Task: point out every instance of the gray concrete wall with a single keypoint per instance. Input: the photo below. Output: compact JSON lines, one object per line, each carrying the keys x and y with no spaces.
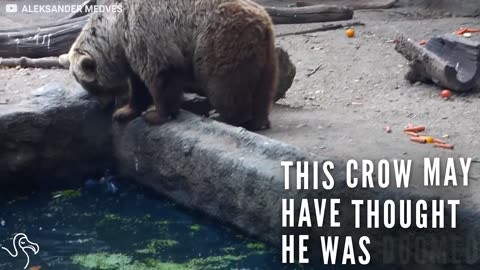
{"x":53,"y":135}
{"x":223,"y":171}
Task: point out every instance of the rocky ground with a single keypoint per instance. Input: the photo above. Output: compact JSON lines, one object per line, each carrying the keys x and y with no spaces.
{"x":341,"y":110}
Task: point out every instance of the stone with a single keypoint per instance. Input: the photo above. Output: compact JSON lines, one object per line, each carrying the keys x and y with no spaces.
{"x":54,"y":136}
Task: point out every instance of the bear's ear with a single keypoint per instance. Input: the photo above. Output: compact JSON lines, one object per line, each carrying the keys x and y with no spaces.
{"x":88,"y":68}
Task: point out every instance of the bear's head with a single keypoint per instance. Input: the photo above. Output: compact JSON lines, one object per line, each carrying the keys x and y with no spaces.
{"x":95,"y":64}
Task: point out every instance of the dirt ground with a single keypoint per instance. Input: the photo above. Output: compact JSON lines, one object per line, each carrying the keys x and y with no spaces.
{"x":341,"y":110}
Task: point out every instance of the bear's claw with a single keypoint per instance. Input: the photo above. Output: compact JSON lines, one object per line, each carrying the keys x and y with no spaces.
{"x":154,"y":118}
{"x":125,"y":113}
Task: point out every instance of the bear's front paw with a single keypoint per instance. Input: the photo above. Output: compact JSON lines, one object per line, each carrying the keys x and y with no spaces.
{"x":257,"y":125}
{"x":125,"y":113}
{"x":155,"y":118}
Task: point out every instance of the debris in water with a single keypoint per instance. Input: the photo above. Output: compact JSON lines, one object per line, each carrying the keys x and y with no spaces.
{"x":112,"y":188}
{"x":107,"y":183}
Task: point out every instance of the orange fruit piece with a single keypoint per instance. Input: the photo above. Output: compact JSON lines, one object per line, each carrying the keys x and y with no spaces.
{"x":428,"y":139}
{"x":350,"y":33}
{"x":446,"y":94}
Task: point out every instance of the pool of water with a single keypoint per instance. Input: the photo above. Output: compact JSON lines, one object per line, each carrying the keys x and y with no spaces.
{"x":89,"y":228}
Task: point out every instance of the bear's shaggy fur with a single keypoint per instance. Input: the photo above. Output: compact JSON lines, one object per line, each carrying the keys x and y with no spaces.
{"x":223,"y":47}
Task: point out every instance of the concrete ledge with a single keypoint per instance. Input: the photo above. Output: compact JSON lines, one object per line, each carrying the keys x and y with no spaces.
{"x":226,"y":172}
{"x":54,"y":133}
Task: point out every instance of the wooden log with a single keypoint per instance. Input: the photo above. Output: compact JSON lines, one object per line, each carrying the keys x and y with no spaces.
{"x":449,"y":61}
{"x":24,"y":62}
{"x":326,"y":27}
{"x":45,"y":41}
{"x":309,"y":14}
{"x":353,"y":4}
{"x":22,"y":31}
{"x":56,"y":38}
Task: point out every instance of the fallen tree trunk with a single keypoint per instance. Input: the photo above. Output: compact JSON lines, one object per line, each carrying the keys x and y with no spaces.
{"x":450,"y":62}
{"x":44,"y":41}
{"x":310,"y":14}
{"x":353,"y":4}
{"x":56,"y":38}
{"x":326,"y":27}
{"x":24,"y":62}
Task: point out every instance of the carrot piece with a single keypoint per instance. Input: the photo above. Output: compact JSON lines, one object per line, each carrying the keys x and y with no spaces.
{"x":415,"y":129}
{"x":464,"y":30}
{"x":444,"y":145}
{"x":461,"y":31}
{"x":411,"y":134}
{"x":436,"y":140}
{"x":418,"y":139}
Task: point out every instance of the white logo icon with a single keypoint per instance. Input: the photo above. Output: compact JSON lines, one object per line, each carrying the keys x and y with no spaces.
{"x":11,"y":8}
{"x":21,"y":241}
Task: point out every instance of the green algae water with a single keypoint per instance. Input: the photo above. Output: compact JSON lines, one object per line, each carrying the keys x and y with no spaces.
{"x":90,"y":229}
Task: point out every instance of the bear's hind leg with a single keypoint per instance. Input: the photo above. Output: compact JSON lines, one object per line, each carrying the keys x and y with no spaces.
{"x":261,"y":104}
{"x":139,"y":100}
{"x":264,"y":92}
{"x":176,"y":85}
{"x":228,"y":97}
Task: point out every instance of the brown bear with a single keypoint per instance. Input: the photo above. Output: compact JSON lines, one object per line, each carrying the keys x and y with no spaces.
{"x":223,"y":47}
